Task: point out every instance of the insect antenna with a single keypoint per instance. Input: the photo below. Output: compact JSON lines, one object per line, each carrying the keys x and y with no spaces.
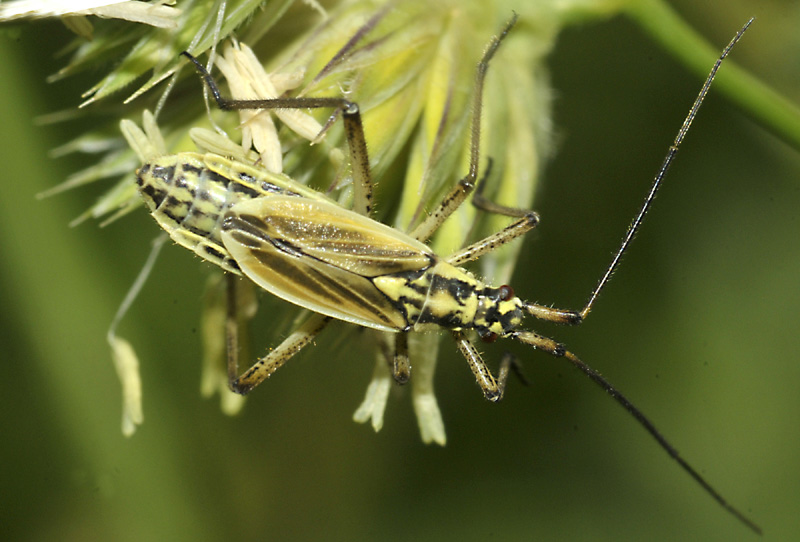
{"x":575,"y":317}
{"x":556,"y":349}
{"x":660,"y":175}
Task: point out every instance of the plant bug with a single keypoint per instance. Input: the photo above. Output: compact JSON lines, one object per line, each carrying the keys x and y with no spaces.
{"x":301,"y":246}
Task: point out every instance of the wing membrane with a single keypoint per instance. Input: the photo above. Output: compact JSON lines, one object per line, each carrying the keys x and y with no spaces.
{"x":320,"y":256}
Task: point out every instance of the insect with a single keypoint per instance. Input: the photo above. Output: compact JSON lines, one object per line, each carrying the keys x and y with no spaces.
{"x":301,"y":246}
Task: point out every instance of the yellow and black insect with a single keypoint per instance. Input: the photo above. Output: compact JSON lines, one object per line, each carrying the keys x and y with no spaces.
{"x":303,"y":247}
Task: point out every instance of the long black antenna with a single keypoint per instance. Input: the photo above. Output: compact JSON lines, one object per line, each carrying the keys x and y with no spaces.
{"x":576,"y":317}
{"x":598,"y":379}
{"x":662,"y":172}
{"x":634,"y":227}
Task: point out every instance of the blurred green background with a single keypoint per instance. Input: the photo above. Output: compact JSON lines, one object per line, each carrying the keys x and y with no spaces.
{"x":699,"y":329}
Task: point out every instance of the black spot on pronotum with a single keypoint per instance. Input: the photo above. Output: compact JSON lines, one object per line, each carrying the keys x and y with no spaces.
{"x":456,"y":289}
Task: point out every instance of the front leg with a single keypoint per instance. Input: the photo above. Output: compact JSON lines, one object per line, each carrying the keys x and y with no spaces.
{"x":492,"y":389}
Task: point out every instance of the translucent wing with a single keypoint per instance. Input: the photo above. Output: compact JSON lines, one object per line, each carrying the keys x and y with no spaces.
{"x":320,"y":256}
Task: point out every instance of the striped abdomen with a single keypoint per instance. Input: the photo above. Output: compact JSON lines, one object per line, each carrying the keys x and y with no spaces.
{"x":189,"y":193}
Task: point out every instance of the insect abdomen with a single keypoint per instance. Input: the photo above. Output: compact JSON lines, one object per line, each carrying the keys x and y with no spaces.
{"x":189,"y":193}
{"x":188,"y":201}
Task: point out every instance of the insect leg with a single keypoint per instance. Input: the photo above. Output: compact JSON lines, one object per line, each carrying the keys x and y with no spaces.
{"x":485,"y":204}
{"x":401,"y":367}
{"x":351,"y":116}
{"x":447,"y":206}
{"x":529,"y":220}
{"x":466,"y":185}
{"x":393,"y":348}
{"x":291,"y":345}
{"x":488,"y":244}
{"x":232,"y":330}
{"x":509,"y":362}
{"x":492,"y":390}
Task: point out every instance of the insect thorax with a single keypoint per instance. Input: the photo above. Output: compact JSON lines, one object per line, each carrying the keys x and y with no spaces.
{"x":445,"y":296}
{"x":189,"y":193}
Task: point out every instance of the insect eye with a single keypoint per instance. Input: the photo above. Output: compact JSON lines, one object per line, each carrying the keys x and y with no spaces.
{"x":506,"y":292}
{"x":488,"y":336}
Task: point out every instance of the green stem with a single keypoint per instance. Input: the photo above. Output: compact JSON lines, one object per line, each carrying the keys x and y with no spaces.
{"x":773,"y":111}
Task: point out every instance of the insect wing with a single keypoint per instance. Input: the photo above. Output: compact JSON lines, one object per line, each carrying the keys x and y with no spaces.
{"x":322,"y":257}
